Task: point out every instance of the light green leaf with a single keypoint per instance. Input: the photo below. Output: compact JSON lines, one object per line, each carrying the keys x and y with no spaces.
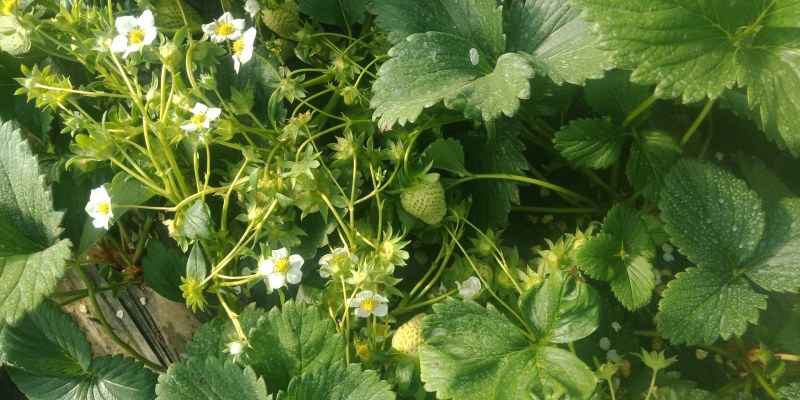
{"x":431,"y":67}
{"x":334,"y":12}
{"x":290,"y":341}
{"x":31,"y":257}
{"x":162,"y":269}
{"x":616,"y":96}
{"x":762,"y":179}
{"x":338,"y":382}
{"x":13,"y":36}
{"x":197,"y":222}
{"x":479,"y":22}
{"x":561,"y":309}
{"x":197,"y":265}
{"x":713,"y":217}
{"x":50,"y":359}
{"x":634,"y":288}
{"x":652,"y":154}
{"x":775,"y":263}
{"x":446,"y":154}
{"x":790,"y":391}
{"x":602,"y":257}
{"x":593,"y":143}
{"x":473,"y":352}
{"x":210,"y":378}
{"x":686,"y":48}
{"x":703,"y":305}
{"x":626,"y":224}
{"x":557,"y":38}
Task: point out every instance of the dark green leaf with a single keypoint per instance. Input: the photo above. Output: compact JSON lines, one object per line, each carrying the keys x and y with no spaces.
{"x":557,"y":38}
{"x":634,"y":288}
{"x":775,"y":262}
{"x":335,"y":12}
{"x":473,"y":352}
{"x":291,"y":341}
{"x":703,"y":305}
{"x":197,"y":222}
{"x":652,"y":154}
{"x":479,"y":22}
{"x":602,"y":257}
{"x":31,"y":257}
{"x":561,"y":309}
{"x":446,"y":154}
{"x":593,"y":143}
{"x":213,"y":338}
{"x":338,"y":382}
{"x":763,"y":180}
{"x":712,"y":216}
{"x":51,"y":359}
{"x":210,"y":378}
{"x":626,"y":224}
{"x":616,"y":96}
{"x":162,"y":269}
{"x":790,"y":391}
{"x":431,"y":67}
{"x":197,"y":265}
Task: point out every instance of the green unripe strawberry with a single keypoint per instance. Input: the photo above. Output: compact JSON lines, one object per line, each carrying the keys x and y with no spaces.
{"x":168,"y":15}
{"x":425,"y":200}
{"x":408,"y":336}
{"x":283,"y":19}
{"x":485,"y":271}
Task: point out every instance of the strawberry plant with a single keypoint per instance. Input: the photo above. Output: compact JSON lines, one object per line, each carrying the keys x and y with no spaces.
{"x":585,"y":199}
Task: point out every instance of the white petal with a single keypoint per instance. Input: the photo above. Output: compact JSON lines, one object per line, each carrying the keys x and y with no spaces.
{"x":276,"y":281}
{"x":146,"y":20}
{"x":227,"y":17}
{"x":381,"y":299}
{"x":236,"y":64}
{"x":280,"y":253}
{"x":238,"y":24}
{"x":380,"y":310}
{"x":326,"y":259}
{"x":266,"y":267}
{"x":365,"y":294}
{"x":294,"y":276}
{"x":296,"y":261}
{"x":199,"y":108}
{"x":212,"y":113}
{"x":189,"y":127}
{"x":210,"y":28}
{"x":361,"y":313}
{"x":246,"y":55}
{"x":249,"y":36}
{"x":149,"y":36}
{"x":119,"y":44}
{"x":125,"y":24}
{"x":355,"y":302}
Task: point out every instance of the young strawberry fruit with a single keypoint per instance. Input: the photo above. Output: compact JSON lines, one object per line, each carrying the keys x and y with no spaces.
{"x":408,"y":336}
{"x":425,"y":200}
{"x":283,"y":19}
{"x":485,"y":271}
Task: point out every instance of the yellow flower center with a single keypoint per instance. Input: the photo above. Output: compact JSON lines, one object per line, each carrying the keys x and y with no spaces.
{"x":368,"y":305}
{"x":104,"y":208}
{"x":225,"y":29}
{"x":136,"y":36}
{"x":198,"y":119}
{"x":282,"y":266}
{"x":238,"y":46}
{"x":386,"y":251}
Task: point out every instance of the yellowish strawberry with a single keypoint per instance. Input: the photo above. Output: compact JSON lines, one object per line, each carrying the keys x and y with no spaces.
{"x":408,"y":336}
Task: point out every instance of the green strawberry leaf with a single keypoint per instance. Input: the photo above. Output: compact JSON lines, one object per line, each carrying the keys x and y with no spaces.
{"x":492,"y":198}
{"x":626,"y":223}
{"x":49,"y":358}
{"x":712,"y":216}
{"x":616,"y":96}
{"x":770,"y":187}
{"x":775,"y":262}
{"x":197,"y":222}
{"x":561,"y":309}
{"x":652,"y":154}
{"x":592,"y":143}
{"x":31,"y":256}
{"x":557,"y":38}
{"x":702,"y":305}
{"x":334,"y":12}
{"x":290,"y":341}
{"x":338,"y":382}
{"x":634,"y":288}
{"x":210,"y":378}
{"x":162,"y":269}
{"x":479,"y":22}
{"x":432,"y":67}
{"x":473,"y":352}
{"x":446,"y":154}
{"x":790,"y":391}
{"x":602,"y":257}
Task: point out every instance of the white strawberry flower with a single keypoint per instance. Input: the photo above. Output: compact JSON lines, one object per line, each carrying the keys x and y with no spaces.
{"x":133,"y":33}
{"x":243,"y":48}
{"x":469,"y":288}
{"x":281,"y":267}
{"x":99,"y":208}
{"x":367,"y":303}
{"x":202,"y":116}
{"x":252,"y":7}
{"x":225,"y":28}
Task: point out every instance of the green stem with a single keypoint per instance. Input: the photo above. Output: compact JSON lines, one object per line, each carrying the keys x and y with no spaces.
{"x":696,"y":124}
{"x":556,"y":210}
{"x":532,"y":181}
{"x":652,"y":385}
{"x":402,"y":310}
{"x":764,"y":384}
{"x":109,"y":330}
{"x":638,"y":110}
